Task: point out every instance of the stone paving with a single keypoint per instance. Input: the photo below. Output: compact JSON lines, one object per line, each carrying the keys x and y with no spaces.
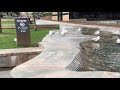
{"x":59,"y":51}
{"x":5,"y":72}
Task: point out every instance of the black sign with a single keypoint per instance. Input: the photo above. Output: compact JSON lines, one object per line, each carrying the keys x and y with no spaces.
{"x":22,"y":25}
{"x":23,"y":31}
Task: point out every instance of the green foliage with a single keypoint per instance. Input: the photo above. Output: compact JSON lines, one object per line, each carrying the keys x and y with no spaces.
{"x":42,"y":14}
{"x":38,"y":13}
{"x":47,"y":14}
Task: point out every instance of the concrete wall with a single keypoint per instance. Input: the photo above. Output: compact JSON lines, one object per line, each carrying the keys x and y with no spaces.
{"x":54,"y":18}
{"x":14,"y":60}
{"x":47,"y":18}
{"x":14,"y":57}
{"x":102,"y":22}
{"x":65,"y":17}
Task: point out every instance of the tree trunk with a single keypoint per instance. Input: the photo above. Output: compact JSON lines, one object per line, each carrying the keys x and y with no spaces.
{"x":7,"y":13}
{"x":17,"y":15}
{"x":35,"y":27}
{"x":27,"y":14}
{"x":0,"y":24}
{"x":11,"y":14}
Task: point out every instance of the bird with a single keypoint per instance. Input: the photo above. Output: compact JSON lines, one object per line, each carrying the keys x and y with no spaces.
{"x":63,"y":31}
{"x":51,"y":33}
{"x":97,"y":32}
{"x":96,"y":38}
{"x":118,"y":40}
{"x":15,"y":39}
{"x":79,"y":29}
{"x":117,"y":32}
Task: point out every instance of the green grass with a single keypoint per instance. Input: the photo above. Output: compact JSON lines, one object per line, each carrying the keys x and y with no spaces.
{"x":37,"y":36}
{"x":8,"y":22}
{"x":8,"y":35}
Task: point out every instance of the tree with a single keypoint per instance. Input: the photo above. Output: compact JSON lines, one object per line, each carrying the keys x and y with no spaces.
{"x":34,"y":17}
{"x":17,"y":13}
{"x":0,"y":23}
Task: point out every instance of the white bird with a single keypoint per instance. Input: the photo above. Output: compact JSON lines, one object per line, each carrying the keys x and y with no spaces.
{"x":118,"y":40}
{"x":97,"y":32}
{"x":63,"y":31}
{"x":79,"y":29}
{"x":117,"y":32}
{"x":51,"y":33}
{"x":15,"y":39}
{"x":96,"y":38}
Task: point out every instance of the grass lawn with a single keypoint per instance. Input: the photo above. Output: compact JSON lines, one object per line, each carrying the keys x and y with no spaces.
{"x":8,"y":35}
{"x":7,"y":22}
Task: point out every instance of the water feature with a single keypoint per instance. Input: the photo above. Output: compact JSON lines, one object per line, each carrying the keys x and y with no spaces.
{"x":102,"y":54}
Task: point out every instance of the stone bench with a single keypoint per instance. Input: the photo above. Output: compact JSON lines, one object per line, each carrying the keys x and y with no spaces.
{"x":14,"y":57}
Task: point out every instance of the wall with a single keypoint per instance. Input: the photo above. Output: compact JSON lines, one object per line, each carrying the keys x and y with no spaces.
{"x":14,"y":57}
{"x":55,"y":17}
{"x":65,"y":17}
{"x":47,"y":18}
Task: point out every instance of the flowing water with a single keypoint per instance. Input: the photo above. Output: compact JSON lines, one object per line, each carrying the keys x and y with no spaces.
{"x":101,"y":55}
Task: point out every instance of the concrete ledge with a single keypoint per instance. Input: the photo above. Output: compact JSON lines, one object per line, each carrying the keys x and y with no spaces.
{"x":14,"y":57}
{"x":47,"y":26}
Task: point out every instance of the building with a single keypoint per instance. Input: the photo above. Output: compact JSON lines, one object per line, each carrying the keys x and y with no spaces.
{"x":60,"y":16}
{"x":89,"y":16}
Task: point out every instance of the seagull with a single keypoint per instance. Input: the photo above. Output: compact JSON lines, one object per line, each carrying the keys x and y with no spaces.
{"x":51,"y":33}
{"x":15,"y":39}
{"x":117,"y":31}
{"x":63,"y":31}
{"x":97,"y":32}
{"x":96,"y":38}
{"x":118,"y":40}
{"x":79,"y":29}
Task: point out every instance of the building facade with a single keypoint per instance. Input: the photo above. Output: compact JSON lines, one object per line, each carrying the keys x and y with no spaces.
{"x":89,"y":16}
{"x":60,"y":16}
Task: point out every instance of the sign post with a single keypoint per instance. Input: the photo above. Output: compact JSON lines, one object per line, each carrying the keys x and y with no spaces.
{"x":23,"y":32}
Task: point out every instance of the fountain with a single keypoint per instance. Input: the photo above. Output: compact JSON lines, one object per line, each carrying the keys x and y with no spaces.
{"x":101,"y":53}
